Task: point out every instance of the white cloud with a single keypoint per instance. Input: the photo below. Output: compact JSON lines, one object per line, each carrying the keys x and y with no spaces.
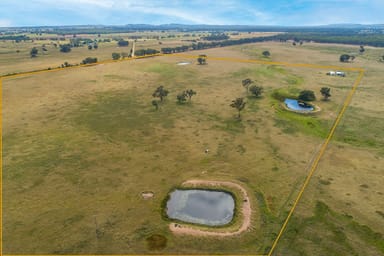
{"x":5,"y":23}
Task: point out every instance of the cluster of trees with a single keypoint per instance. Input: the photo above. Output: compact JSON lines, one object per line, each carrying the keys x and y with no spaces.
{"x":160,"y":93}
{"x":143,"y":52}
{"x":216,"y":37}
{"x":308,"y":95}
{"x":167,"y":50}
{"x":122,"y":43}
{"x":117,"y":56}
{"x":183,"y":96}
{"x":340,"y":37}
{"x":346,"y":58}
{"x":89,"y":60}
{"x":256,"y":90}
{"x":65,"y":48}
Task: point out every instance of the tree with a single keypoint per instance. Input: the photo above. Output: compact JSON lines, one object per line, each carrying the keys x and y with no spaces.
{"x":65,"y":48}
{"x":182,"y":97}
{"x":95,"y":46}
{"x":344,"y":58}
{"x":239,"y":104}
{"x":34,"y":52}
{"x":160,"y":92}
{"x":307,"y":95}
{"x":361,"y":50}
{"x":246,"y":83}
{"x":122,"y":43}
{"x":256,"y":90}
{"x":352,"y":58}
{"x":156,"y":104}
{"x":266,"y":53}
{"x":115,"y":55}
{"x":89,"y":60}
{"x":89,"y":47}
{"x":326,"y":92}
{"x":190,"y":93}
{"x":201,"y":61}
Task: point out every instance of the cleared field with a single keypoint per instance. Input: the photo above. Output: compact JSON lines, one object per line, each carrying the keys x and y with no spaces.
{"x":79,"y":147}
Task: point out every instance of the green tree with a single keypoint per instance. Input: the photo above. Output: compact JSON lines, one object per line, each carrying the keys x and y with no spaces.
{"x":326,"y":92}
{"x":34,"y":52}
{"x":182,"y":97}
{"x":256,"y":90}
{"x":65,"y":47}
{"x":89,"y":47}
{"x":156,"y":104}
{"x":122,"y":43}
{"x":89,"y":60}
{"x":344,"y":57}
{"x":239,"y":104}
{"x":246,"y":83}
{"x":362,"y":49}
{"x":201,"y":61}
{"x":115,"y":55}
{"x":307,"y":95}
{"x":266,"y":53}
{"x":190,"y":93}
{"x":160,"y":92}
{"x":95,"y":46}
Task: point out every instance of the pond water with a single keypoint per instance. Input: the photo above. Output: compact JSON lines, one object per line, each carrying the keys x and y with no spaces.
{"x":212,"y":208}
{"x":297,"y":106}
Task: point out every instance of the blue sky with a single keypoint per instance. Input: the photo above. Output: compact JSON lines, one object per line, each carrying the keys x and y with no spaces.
{"x":218,"y":12}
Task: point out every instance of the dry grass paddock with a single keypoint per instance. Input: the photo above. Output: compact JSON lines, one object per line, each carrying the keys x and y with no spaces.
{"x":81,"y":145}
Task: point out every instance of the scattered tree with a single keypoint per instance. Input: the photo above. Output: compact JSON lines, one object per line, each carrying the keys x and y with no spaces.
{"x":115,"y":55}
{"x":89,"y":60}
{"x":344,"y":57}
{"x":65,"y":48}
{"x":256,"y":90}
{"x":95,"y":46}
{"x":34,"y":52}
{"x":89,"y":47}
{"x":352,"y":58}
{"x":246,"y":83}
{"x":326,"y":92}
{"x":122,"y":43}
{"x":202,"y":59}
{"x":160,"y":92}
{"x":190,"y":93}
{"x":266,"y":53}
{"x":307,"y":95}
{"x":239,"y":104}
{"x":294,"y":43}
{"x":156,"y":104}
{"x":361,"y":50}
{"x":182,"y":97}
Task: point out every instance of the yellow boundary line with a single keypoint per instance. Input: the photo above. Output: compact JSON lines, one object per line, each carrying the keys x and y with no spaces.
{"x":317,"y":160}
{"x":300,"y":65}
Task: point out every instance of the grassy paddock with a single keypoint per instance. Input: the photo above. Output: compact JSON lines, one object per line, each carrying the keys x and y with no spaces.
{"x":80,"y":145}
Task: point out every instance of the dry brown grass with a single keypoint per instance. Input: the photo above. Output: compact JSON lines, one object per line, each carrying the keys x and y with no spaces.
{"x":81,"y":145}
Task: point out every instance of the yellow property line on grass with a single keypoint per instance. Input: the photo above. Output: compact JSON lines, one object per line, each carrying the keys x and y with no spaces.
{"x":301,"y":65}
{"x":316,"y":162}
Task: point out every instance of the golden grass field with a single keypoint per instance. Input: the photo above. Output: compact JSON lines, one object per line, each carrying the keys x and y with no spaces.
{"x":80,"y":145}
